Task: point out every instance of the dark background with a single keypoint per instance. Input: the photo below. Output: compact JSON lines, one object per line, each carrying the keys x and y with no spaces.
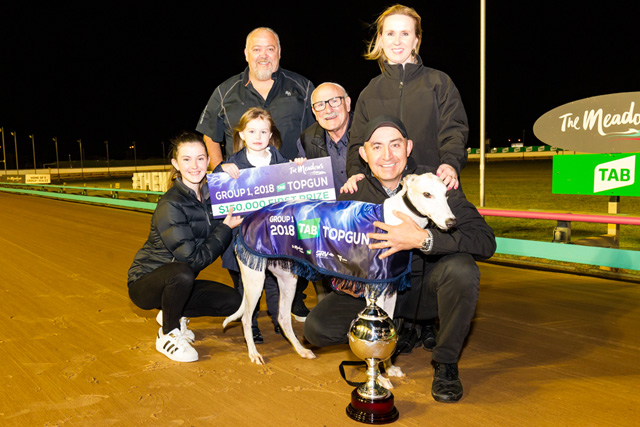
{"x":144,"y":72}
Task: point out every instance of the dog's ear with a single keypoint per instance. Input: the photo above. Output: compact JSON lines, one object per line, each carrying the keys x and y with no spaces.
{"x":408,"y":179}
{"x":433,"y":176}
{"x":436,"y":177}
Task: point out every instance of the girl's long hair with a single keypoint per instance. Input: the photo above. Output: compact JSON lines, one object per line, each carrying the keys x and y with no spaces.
{"x":252,"y":114}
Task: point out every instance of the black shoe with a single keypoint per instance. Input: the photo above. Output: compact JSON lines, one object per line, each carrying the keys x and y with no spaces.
{"x":407,"y":341}
{"x":257,"y":336}
{"x":277,"y":330}
{"x":299,"y":311}
{"x":446,"y":386}
{"x":428,"y":337}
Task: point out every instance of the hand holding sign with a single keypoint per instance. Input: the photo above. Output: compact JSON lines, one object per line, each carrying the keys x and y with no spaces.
{"x":231,"y":220}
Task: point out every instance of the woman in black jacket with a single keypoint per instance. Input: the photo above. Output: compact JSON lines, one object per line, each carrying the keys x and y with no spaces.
{"x":183,"y":240}
{"x":425,"y":99}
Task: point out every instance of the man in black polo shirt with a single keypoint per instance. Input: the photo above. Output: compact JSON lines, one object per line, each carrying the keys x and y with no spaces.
{"x":285,"y":94}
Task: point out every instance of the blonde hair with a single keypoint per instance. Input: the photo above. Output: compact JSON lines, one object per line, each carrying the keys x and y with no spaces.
{"x":374,"y":47}
{"x":252,"y":114}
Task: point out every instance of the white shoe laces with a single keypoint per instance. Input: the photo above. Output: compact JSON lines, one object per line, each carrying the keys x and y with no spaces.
{"x":187,"y":334}
{"x":182,"y":341}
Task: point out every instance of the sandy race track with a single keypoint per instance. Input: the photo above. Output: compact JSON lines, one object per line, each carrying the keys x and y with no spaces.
{"x":545,"y":348}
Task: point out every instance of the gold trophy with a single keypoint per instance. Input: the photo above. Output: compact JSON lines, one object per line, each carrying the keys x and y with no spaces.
{"x":372,"y":337}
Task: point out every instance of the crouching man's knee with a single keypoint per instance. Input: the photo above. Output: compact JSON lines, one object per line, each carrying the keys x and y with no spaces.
{"x":320,"y":334}
{"x":459,"y":272}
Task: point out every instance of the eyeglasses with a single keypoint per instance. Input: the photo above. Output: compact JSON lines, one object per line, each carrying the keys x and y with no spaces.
{"x":334,"y":102}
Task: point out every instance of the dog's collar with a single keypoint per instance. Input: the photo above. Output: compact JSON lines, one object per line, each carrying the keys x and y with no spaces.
{"x":411,"y":206}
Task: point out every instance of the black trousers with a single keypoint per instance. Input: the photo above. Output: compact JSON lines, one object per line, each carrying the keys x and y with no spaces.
{"x":451,"y":285}
{"x":174,"y":289}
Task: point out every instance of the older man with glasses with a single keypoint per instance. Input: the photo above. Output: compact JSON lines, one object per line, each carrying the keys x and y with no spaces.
{"x":330,"y":135}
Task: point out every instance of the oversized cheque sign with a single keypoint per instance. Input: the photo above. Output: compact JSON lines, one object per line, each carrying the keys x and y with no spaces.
{"x":256,"y":188}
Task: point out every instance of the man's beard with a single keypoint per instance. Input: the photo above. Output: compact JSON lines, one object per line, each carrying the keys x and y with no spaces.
{"x":263,"y":75}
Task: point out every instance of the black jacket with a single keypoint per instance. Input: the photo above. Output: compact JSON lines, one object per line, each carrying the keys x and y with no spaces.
{"x":313,"y":140}
{"x":312,"y":144}
{"x":471,"y":235}
{"x":429,"y":105}
{"x":182,"y":229}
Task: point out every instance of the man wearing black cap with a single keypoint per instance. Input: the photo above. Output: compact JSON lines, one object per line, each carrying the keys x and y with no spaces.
{"x":444,"y":275}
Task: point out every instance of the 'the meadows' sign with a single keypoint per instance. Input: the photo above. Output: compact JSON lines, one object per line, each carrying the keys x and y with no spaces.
{"x":601,"y":124}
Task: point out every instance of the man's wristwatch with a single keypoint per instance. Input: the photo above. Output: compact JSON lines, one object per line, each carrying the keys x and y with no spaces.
{"x":427,"y":244}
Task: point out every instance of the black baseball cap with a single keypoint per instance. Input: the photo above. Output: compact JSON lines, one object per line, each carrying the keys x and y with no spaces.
{"x":382,"y":121}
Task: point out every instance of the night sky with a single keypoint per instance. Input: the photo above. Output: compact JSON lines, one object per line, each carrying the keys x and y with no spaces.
{"x":145,"y":72}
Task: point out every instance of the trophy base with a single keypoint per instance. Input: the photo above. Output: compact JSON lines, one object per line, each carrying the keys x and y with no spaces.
{"x":372,"y":411}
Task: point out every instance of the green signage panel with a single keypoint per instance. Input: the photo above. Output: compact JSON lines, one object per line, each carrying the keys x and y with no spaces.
{"x":598,"y":174}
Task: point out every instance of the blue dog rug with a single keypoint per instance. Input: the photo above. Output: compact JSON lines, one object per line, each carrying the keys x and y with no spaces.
{"x":316,"y":239}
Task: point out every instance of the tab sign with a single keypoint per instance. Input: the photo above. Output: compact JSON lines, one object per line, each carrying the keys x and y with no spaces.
{"x":614,"y":174}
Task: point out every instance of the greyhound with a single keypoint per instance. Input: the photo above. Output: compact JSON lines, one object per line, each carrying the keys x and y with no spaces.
{"x":428,"y":196}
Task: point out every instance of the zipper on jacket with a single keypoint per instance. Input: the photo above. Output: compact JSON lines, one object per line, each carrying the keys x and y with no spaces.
{"x":207,"y":209}
{"x":401,"y":75}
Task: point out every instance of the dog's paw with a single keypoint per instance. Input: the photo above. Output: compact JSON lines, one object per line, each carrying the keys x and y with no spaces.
{"x":394,"y":371}
{"x":384,"y":382}
{"x":307,"y":354}
{"x":257,"y":359}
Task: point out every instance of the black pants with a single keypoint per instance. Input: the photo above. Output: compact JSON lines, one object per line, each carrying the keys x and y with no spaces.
{"x":451,"y":293}
{"x":174,"y":289}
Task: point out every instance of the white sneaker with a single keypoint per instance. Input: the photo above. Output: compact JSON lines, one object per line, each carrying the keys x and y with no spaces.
{"x":188,"y":334}
{"x":175,"y":346}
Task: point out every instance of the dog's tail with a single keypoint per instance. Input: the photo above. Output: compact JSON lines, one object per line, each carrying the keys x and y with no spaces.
{"x":237,"y":314}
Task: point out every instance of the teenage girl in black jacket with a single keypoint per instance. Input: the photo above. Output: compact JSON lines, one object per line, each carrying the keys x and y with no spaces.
{"x":183,"y":240}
